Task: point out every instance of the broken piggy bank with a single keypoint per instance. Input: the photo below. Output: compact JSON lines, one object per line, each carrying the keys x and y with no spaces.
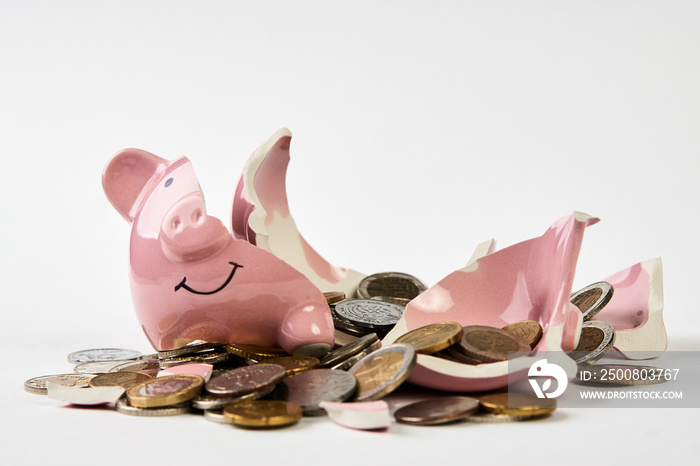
{"x":191,"y":280}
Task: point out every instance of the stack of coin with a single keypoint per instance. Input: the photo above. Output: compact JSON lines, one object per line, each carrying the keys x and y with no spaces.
{"x":363,"y":316}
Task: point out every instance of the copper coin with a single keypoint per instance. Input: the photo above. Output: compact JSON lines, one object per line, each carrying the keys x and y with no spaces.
{"x":437,"y":411}
{"x":432,"y":338}
{"x":454,"y":354}
{"x":528,"y":330}
{"x":490,"y":344}
{"x":246,"y":379}
{"x":592,"y":299}
{"x":262,"y":413}
{"x":517,"y":404}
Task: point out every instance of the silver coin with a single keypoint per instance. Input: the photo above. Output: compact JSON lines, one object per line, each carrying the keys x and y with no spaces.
{"x":102,"y":354}
{"x":437,"y":411}
{"x":344,"y":352}
{"x":369,"y":313}
{"x":354,"y":330}
{"x":354,"y":359}
{"x":37,"y":385}
{"x":391,"y":284}
{"x":189,"y":349}
{"x":381,"y":372}
{"x":616,"y":375}
{"x":246,"y":379}
{"x":209,"y":401}
{"x":96,"y":367}
{"x":123,"y":407}
{"x":597,"y":338}
{"x":215,"y":415}
{"x":592,"y":299}
{"x":308,"y":389}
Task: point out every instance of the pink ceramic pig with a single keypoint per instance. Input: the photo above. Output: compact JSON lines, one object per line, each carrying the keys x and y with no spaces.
{"x":191,"y":280}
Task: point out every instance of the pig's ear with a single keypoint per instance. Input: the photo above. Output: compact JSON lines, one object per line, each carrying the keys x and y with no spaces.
{"x":126,"y":175}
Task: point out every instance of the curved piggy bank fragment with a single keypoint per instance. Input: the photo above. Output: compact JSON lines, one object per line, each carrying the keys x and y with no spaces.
{"x":261,"y":216}
{"x":636,"y":310}
{"x":530,"y":280}
{"x":191,"y":280}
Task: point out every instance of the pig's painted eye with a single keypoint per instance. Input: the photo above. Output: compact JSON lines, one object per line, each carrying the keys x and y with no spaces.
{"x":168,"y":182}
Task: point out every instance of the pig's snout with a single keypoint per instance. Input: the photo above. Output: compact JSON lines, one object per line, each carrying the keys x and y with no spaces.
{"x":189,"y":234}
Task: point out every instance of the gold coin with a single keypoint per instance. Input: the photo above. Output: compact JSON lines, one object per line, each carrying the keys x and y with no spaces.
{"x":433,"y":338}
{"x":262,"y":413}
{"x":528,"y":330}
{"x":255,"y":352}
{"x":490,"y":344}
{"x":517,"y":404}
{"x":295,"y":364}
{"x":165,"y":391}
{"x":333,"y":297}
{"x":123,"y":379}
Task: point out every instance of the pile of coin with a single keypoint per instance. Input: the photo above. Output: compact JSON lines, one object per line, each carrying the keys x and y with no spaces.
{"x":255,"y":387}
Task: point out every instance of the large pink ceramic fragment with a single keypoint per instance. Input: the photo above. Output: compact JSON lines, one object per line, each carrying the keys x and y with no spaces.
{"x":191,"y":280}
{"x":529,"y":280}
{"x":636,"y":310}
{"x":261,"y":216}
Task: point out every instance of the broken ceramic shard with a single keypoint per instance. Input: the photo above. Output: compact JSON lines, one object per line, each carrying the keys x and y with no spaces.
{"x":191,"y":280}
{"x":261,"y":216}
{"x":636,"y":310}
{"x":530,"y":280}
{"x":362,"y":415}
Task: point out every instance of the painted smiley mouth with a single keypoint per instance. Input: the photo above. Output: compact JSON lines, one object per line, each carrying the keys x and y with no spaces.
{"x":228,"y":280}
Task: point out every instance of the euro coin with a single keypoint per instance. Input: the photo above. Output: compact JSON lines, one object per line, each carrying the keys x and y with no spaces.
{"x":254,"y":352}
{"x":37,"y":385}
{"x":165,"y":391}
{"x":597,"y":338}
{"x":346,"y":351}
{"x":123,"y":407}
{"x":592,"y":299}
{"x":188,"y":349}
{"x":381,"y":372}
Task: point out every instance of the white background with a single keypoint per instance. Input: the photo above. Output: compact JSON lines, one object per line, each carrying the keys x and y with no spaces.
{"x":420,"y":129}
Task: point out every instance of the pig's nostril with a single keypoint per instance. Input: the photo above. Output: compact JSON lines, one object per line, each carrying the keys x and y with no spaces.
{"x":176,"y":224}
{"x":197,"y":216}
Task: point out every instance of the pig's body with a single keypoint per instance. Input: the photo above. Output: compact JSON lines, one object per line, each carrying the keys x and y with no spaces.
{"x":191,"y":280}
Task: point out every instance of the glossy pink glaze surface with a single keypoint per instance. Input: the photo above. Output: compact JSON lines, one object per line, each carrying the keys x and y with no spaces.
{"x":531,"y":280}
{"x":191,"y":280}
{"x":629,"y":307}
